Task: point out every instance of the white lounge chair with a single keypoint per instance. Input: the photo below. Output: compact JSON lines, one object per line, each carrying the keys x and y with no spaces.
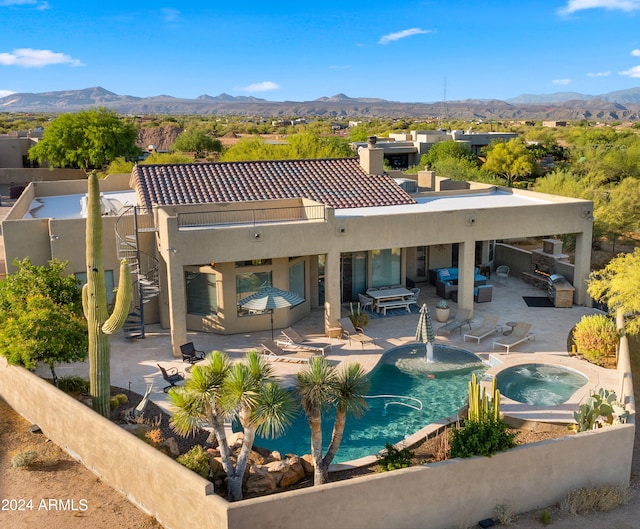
{"x":274,"y":352}
{"x":290,"y":339}
{"x":487,"y":327}
{"x":353,"y":333}
{"x":519,"y":334}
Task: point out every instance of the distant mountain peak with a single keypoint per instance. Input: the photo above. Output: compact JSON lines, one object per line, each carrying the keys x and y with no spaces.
{"x":620,"y":105}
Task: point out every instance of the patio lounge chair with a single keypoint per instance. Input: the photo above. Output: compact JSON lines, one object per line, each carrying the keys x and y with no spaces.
{"x":487,"y":327}
{"x":519,"y":334}
{"x":190,"y":353}
{"x":355,"y":334}
{"x":172,"y":376}
{"x":460,"y":320}
{"x":290,"y":339}
{"x":274,"y":352}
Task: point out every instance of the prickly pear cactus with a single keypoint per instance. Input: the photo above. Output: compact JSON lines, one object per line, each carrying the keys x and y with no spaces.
{"x":94,"y":302}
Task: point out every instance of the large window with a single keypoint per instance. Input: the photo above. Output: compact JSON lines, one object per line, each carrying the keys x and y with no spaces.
{"x":250,"y":283}
{"x":296,"y":279}
{"x":108,"y":283}
{"x":202,"y":297}
{"x":386,"y":267}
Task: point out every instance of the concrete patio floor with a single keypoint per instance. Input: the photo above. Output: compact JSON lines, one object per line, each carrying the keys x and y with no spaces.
{"x":134,"y":363}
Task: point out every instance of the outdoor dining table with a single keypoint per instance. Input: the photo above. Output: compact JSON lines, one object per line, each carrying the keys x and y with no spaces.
{"x":387,"y":295}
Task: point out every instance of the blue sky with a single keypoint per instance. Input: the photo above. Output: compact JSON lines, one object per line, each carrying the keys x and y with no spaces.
{"x":422,"y":51}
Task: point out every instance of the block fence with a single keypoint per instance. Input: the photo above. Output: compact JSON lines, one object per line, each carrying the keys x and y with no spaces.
{"x":450,"y":494}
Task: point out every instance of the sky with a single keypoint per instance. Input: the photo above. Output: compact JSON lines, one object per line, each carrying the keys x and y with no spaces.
{"x":409,"y":51}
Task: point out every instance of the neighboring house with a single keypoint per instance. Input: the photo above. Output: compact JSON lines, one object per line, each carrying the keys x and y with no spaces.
{"x":14,"y":149}
{"x":207,"y":235}
{"x":404,"y":150}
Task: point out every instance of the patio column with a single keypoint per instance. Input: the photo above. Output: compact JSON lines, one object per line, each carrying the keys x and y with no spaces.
{"x":582,"y":267}
{"x":332,"y":291}
{"x":466,"y":265}
{"x":175,"y":287}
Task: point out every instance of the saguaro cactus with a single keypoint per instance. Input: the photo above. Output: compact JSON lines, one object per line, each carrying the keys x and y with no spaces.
{"x":94,"y":302}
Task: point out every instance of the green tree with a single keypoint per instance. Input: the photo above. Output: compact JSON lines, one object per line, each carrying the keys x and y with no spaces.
{"x":510,"y":160}
{"x":218,"y":390}
{"x":166,"y":158}
{"x":617,"y":210}
{"x":321,"y":386}
{"x":618,"y":286}
{"x":301,"y":146}
{"x":87,"y":139}
{"x":449,"y":150}
{"x":41,"y":317}
{"x":197,"y":138}
{"x":119,"y":165}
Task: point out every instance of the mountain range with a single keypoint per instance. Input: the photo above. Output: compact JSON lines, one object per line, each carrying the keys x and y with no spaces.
{"x":613,"y":106}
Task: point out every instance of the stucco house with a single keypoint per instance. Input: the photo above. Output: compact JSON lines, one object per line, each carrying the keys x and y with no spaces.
{"x":203,"y":236}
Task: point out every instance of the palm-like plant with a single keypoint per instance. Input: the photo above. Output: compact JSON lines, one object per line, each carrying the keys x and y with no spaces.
{"x":219,"y":390}
{"x":321,"y":386}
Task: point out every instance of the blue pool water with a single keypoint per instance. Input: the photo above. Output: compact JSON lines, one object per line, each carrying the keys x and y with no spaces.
{"x":401,"y":384}
{"x":539,"y":384}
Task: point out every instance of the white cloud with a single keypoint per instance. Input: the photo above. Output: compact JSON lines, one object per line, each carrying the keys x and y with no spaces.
{"x":169,"y":14}
{"x":636,"y":52}
{"x":632,"y":72}
{"x":622,"y":5}
{"x":17,"y":3}
{"x":30,"y":58}
{"x":5,"y":93}
{"x":561,"y":82}
{"x":264,"y":86}
{"x":598,"y":74}
{"x":402,"y":35}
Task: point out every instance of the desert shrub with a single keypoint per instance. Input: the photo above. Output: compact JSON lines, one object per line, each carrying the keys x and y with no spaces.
{"x":358,"y":318}
{"x":545,"y":517}
{"x":589,"y":499}
{"x":154,"y":436}
{"x":394,"y":458}
{"x":73,"y":384}
{"x":481,"y":438}
{"x":504,"y":514}
{"x":197,"y":460}
{"x":24,"y":459}
{"x":596,"y":338}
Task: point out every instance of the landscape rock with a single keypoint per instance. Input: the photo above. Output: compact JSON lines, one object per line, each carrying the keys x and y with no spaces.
{"x":307,"y":463}
{"x":293,"y":475}
{"x":259,"y":481}
{"x":172,"y":446}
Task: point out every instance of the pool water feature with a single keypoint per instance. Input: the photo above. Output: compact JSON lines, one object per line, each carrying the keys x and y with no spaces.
{"x":407,"y":393}
{"x":539,"y":384}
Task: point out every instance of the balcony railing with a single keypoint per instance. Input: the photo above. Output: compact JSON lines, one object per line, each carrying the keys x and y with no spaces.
{"x":251,"y":217}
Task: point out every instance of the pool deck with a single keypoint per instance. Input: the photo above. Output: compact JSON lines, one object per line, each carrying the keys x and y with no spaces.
{"x":133,"y":363}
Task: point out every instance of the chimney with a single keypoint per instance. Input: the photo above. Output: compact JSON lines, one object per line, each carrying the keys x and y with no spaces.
{"x":372,"y":157}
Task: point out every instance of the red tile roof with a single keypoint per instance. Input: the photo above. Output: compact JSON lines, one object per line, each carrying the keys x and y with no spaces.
{"x":338,"y":183}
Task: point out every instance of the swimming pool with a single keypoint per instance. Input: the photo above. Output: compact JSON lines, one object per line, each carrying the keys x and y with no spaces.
{"x":406,"y":394}
{"x":539,"y":384}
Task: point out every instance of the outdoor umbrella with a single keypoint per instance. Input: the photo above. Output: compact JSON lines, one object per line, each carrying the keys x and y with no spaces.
{"x":424,"y":332}
{"x":269,"y":298}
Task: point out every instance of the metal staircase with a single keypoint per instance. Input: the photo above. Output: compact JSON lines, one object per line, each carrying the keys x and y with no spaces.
{"x":144,"y":267}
